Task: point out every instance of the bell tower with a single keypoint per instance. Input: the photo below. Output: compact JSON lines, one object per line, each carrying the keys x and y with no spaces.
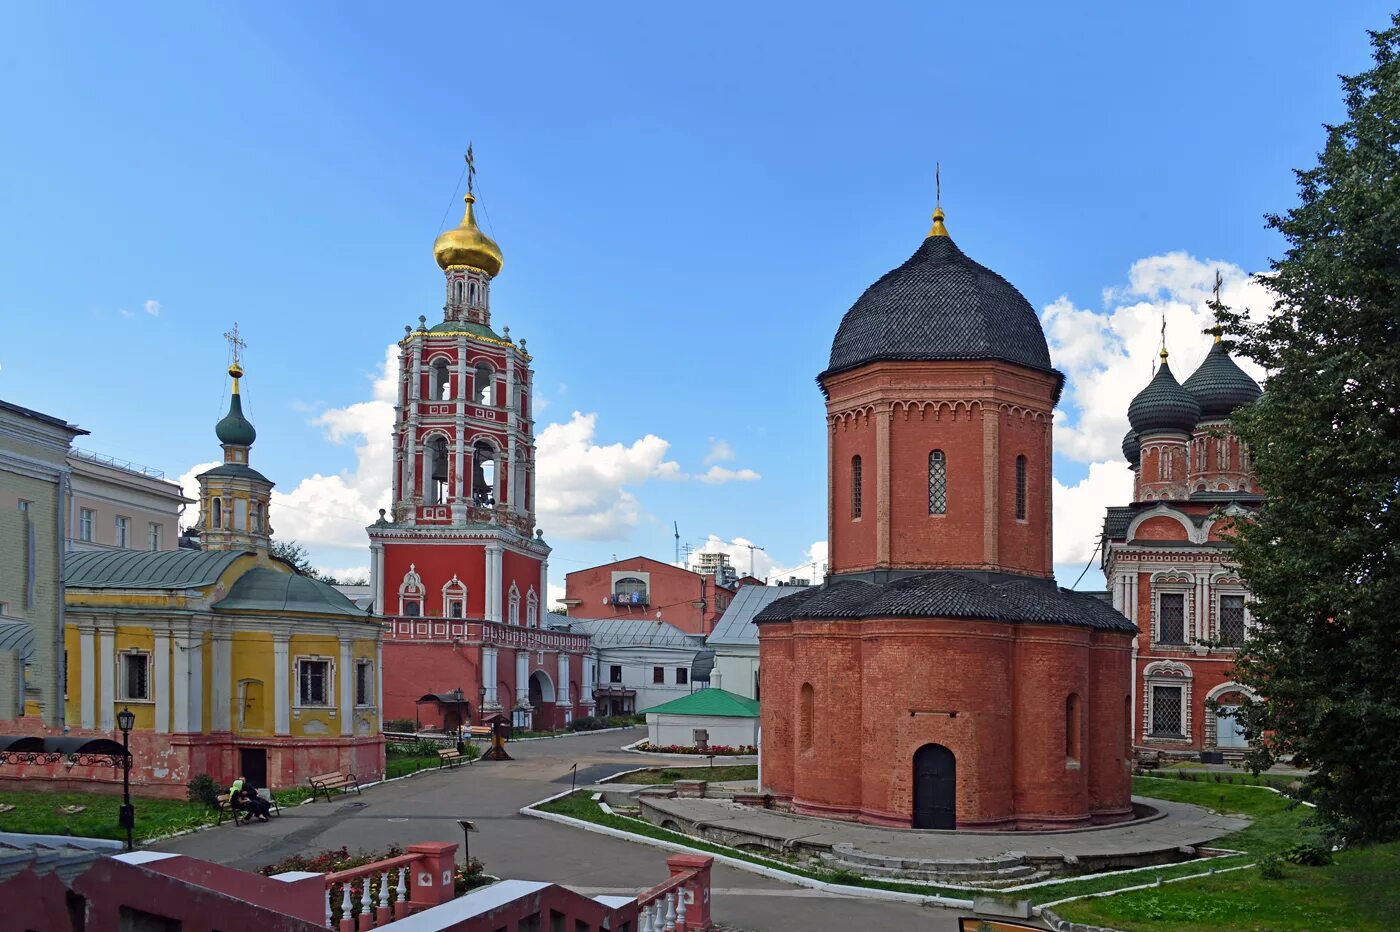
{"x":459,"y":538}
{"x":234,"y":497}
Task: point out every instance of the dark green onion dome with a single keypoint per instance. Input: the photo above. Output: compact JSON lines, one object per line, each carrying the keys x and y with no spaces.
{"x":1163,"y":405}
{"x":1219,"y":385}
{"x":235,"y":428}
{"x":1132,"y":449}
{"x":940,"y":305}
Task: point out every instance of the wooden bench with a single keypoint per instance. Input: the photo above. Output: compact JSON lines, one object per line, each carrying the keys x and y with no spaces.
{"x":451,"y":757}
{"x":336,"y":780}
{"x":481,"y":731}
{"x":243,"y":816}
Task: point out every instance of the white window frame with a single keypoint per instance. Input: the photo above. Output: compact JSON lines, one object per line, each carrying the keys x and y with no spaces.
{"x":514,"y":616}
{"x":1186,"y":591}
{"x":154,"y":533}
{"x":85,"y":520}
{"x":1219,"y":595}
{"x":532,"y":609}
{"x":454,"y":593}
{"x":122,"y":529}
{"x":123,"y":657}
{"x":411,"y":590}
{"x":367,"y":665}
{"x":1167,"y":673}
{"x":329,"y":702}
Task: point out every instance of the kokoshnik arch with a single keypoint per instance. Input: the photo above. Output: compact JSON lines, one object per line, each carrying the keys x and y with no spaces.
{"x":939,"y":679}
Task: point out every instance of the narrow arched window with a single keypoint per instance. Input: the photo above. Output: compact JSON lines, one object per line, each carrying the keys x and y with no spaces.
{"x":218,"y":521}
{"x":937,"y":483}
{"x":457,"y":293}
{"x":1072,"y":726}
{"x":855,"y":486}
{"x":1020,"y":488}
{"x":804,"y":724}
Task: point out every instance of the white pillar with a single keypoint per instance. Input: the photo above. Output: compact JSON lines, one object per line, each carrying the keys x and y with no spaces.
{"x":107,"y":663}
{"x":544,"y":590}
{"x":347,"y":689}
{"x":563,"y":690}
{"x":162,"y":681}
{"x":180,"y":683}
{"x":587,"y":687}
{"x":281,"y":680}
{"x":221,"y":677}
{"x":493,"y":582}
{"x":376,"y":576}
{"x":87,"y":659}
{"x":522,"y":677}
{"x":195,"y":697}
{"x":489,"y":676}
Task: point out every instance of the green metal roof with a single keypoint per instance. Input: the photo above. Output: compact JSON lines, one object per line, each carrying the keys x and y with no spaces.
{"x":146,"y":569}
{"x":462,"y":326}
{"x":267,"y":590}
{"x":718,"y":703}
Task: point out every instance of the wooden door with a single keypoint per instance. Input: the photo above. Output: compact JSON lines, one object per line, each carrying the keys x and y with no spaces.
{"x":935,"y":787}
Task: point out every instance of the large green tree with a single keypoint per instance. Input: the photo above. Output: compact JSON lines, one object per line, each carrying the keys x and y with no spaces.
{"x":1322,"y":559}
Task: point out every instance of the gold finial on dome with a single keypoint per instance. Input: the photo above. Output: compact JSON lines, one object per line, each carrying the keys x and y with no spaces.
{"x":466,"y":245}
{"x":938,"y":229}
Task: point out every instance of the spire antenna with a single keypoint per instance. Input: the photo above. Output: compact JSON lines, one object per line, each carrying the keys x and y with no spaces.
{"x":938,"y":229}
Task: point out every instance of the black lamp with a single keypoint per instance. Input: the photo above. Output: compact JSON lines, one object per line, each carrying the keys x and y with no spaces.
{"x":126,"y":720}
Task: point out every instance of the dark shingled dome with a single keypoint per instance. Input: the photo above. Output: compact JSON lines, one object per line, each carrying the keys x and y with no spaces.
{"x":939,"y":305}
{"x":1163,"y":405}
{"x":1132,"y":449}
{"x":1219,"y":385}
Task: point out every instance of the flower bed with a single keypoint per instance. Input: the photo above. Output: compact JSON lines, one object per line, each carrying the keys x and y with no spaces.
{"x":715,"y":750}
{"x":333,"y":860}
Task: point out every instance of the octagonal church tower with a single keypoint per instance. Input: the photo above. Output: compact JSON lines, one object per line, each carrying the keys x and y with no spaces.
{"x":939,"y":679}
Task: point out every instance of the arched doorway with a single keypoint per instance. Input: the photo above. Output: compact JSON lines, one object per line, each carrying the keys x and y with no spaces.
{"x":1228,"y":734}
{"x":542,"y":700}
{"x":935,"y":787}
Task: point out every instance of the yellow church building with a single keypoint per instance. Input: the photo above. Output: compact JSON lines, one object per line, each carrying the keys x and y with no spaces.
{"x":232,"y":661}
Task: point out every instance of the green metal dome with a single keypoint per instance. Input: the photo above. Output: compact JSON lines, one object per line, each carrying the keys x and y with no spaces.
{"x":1132,"y":449}
{"x":1163,"y":405}
{"x":235,"y":428}
{"x":1219,"y":385}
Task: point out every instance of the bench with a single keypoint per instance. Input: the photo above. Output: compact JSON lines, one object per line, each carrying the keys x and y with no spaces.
{"x":451,"y":757}
{"x":243,"y":816}
{"x":336,"y":780}
{"x":481,"y":731}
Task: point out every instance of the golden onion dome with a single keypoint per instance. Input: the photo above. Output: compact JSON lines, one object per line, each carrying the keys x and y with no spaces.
{"x":466,"y":245}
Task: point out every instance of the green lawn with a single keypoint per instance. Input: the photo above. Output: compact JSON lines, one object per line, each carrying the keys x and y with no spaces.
{"x":720,"y":774}
{"x":396,"y":766}
{"x":37,"y":813}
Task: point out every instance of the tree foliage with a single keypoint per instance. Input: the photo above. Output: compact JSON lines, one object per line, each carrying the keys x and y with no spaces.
{"x":300,"y":558}
{"x":1322,"y":560}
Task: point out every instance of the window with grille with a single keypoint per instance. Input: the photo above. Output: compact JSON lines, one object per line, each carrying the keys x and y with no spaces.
{"x":363,"y":692}
{"x":1171,"y":618}
{"x":136,"y":676}
{"x":1166,"y":710}
{"x":1020,"y":488}
{"x":313,"y":681}
{"x":855,"y":486}
{"x":937,"y":483}
{"x":1232,"y":620}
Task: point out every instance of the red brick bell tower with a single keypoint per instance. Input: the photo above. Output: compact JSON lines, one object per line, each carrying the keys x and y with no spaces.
{"x":458,"y":567}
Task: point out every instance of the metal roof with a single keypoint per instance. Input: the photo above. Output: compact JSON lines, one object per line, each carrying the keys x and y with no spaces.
{"x":622,"y":632}
{"x":268,"y":590}
{"x":736,"y":625}
{"x":18,"y":636}
{"x":718,"y":703}
{"x":146,"y":569}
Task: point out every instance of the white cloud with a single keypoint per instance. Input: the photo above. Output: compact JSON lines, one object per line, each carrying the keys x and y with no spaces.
{"x":189,"y":484}
{"x":125,"y":313}
{"x":1107,"y":356}
{"x":345,"y":573}
{"x":555,"y":595}
{"x":582,"y":486}
{"x":720,"y":451}
{"x":152,"y":307}
{"x":717,"y":474}
{"x":763,"y":565}
{"x":1079,"y":509}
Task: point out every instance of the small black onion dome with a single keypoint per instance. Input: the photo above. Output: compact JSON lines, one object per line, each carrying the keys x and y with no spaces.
{"x":234,"y":427}
{"x":939,"y":305}
{"x":1219,"y":385}
{"x":1163,"y":405}
{"x":1132,"y":448}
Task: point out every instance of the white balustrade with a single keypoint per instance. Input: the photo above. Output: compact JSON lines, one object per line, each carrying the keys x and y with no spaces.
{"x":670,"y":912}
{"x":347,"y":909}
{"x":680,"y":909}
{"x":384,"y":891}
{"x":366,"y":900}
{"x":330,"y":891}
{"x":403,"y":885}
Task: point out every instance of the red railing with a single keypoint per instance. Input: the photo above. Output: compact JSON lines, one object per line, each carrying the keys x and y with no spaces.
{"x":682,"y":901}
{"x":374,"y":894}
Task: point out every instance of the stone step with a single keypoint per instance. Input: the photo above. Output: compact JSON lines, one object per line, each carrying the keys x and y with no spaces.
{"x":849,"y":853}
{"x":977,"y":874}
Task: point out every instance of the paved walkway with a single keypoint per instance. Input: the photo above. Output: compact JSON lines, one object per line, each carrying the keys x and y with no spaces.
{"x":1180,"y":824}
{"x":426,"y":807}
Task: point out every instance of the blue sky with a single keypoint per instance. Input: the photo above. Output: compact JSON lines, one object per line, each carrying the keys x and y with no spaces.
{"x":688,"y":200}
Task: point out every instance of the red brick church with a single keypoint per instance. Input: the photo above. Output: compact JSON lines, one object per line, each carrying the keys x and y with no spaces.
{"x":939,"y":678}
{"x":458,"y":570}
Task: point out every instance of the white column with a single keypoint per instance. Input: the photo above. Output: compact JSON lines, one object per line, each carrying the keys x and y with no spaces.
{"x":544,"y":589}
{"x":107,"y":663}
{"x":162,"y":681}
{"x":588,"y":660}
{"x":220,"y":682}
{"x":376,"y":576}
{"x":489,"y":676}
{"x":563,"y":691}
{"x":195,"y":696}
{"x":180,"y":683}
{"x":493,"y":582}
{"x":87,"y":659}
{"x":347,"y":689}
{"x":522,"y":677}
{"x":281,"y":680}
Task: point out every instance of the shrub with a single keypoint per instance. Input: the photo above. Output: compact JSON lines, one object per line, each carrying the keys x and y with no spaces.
{"x":585,"y":723}
{"x":1309,"y":854}
{"x":1271,"y":868}
{"x":466,"y":876}
{"x":400,"y":724}
{"x":203,"y":789}
{"x":718,"y":750}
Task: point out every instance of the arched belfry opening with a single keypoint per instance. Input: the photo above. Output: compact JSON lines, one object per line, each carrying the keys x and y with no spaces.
{"x":483,"y":475}
{"x":435,"y":472}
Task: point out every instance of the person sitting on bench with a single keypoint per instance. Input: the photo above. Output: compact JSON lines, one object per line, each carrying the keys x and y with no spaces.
{"x":243,"y":797}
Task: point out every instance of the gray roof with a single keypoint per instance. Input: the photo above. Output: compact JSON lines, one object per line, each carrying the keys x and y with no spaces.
{"x":18,"y":636}
{"x":267,"y":590}
{"x":1220,"y":385}
{"x":146,"y":569}
{"x":41,"y":416}
{"x":1163,"y":405}
{"x":736,"y":625}
{"x":940,"y":305}
{"x":236,"y":471}
{"x":950,"y":595}
{"x":621,"y":632}
{"x":1116,"y":521}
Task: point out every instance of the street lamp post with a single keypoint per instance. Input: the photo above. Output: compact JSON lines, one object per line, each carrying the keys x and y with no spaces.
{"x":126,"y":719}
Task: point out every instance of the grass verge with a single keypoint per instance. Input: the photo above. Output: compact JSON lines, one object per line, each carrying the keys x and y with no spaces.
{"x":719,"y":774}
{"x":39,"y":813}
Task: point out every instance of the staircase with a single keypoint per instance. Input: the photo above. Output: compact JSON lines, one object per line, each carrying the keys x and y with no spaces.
{"x":1004,"y":870}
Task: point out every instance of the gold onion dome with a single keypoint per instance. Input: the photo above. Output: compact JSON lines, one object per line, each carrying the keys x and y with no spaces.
{"x":466,"y":245}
